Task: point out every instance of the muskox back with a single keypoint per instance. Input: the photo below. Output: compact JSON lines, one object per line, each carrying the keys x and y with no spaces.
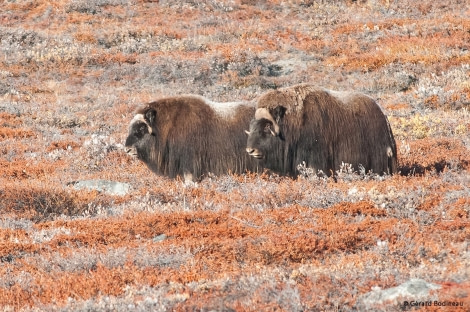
{"x":322,"y":128}
{"x":190,"y":135}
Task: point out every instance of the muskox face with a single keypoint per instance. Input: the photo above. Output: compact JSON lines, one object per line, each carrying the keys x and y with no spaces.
{"x":261,"y":138}
{"x":265,"y":133}
{"x":140,"y":133}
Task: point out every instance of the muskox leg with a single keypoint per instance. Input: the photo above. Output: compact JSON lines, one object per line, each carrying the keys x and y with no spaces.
{"x":188,"y":179}
{"x":392,"y":162}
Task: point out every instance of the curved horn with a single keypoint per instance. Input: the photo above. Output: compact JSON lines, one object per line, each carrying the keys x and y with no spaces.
{"x":264,"y":113}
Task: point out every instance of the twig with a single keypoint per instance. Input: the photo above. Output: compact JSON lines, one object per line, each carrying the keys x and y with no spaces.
{"x":246,"y":223}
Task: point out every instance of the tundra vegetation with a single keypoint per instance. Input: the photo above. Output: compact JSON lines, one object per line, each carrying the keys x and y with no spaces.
{"x":72,"y":72}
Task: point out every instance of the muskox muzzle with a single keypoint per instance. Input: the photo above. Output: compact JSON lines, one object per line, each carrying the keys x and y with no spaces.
{"x":131,"y":151}
{"x":254,"y":152}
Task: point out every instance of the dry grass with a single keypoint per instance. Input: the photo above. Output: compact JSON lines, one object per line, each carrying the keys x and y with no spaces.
{"x":71,"y":74}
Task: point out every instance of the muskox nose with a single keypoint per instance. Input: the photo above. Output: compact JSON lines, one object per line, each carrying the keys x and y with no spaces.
{"x":254,"y":152}
{"x":131,"y":151}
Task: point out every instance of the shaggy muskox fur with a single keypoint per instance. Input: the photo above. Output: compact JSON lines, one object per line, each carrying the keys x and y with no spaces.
{"x":322,"y":128}
{"x":190,"y":137}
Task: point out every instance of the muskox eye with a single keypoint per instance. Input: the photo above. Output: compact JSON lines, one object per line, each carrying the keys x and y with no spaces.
{"x":267,"y":128}
{"x":140,"y":131}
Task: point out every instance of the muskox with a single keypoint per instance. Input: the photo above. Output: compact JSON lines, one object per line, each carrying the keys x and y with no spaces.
{"x":322,"y":129}
{"x":190,"y":137}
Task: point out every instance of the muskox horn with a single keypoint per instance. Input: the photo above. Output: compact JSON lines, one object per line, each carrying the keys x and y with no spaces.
{"x":264,"y":113}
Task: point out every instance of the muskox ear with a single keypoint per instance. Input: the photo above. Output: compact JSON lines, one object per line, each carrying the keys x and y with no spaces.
{"x":150,"y":116}
{"x":278,"y":113}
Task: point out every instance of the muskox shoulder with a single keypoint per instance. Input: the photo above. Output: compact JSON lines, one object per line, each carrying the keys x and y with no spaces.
{"x":179,"y":106}
{"x":348,"y":96}
{"x":292,"y":98}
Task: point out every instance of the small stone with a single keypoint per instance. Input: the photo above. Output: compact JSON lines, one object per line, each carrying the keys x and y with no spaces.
{"x":159,"y":238}
{"x":109,"y":187}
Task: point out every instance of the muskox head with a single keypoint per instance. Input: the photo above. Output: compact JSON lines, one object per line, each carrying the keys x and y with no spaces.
{"x":140,"y":133}
{"x":265,"y":132}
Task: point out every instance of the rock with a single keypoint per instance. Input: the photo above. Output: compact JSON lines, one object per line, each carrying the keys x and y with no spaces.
{"x":159,"y":238}
{"x":108,"y":187}
{"x":412,"y":290}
